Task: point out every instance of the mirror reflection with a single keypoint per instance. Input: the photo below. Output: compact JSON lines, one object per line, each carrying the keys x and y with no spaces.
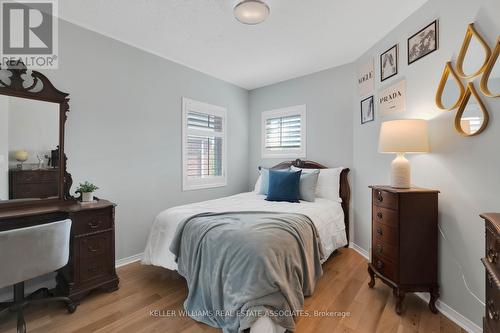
{"x":490,"y":81}
{"x":474,"y":58}
{"x":472,"y":118}
{"x":29,"y":156}
{"x":451,"y":93}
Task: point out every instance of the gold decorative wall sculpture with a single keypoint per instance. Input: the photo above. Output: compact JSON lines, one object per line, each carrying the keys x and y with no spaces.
{"x":471,"y":32}
{"x":472,"y":117}
{"x":463,"y":124}
{"x":487,"y":72}
{"x":448,"y":69}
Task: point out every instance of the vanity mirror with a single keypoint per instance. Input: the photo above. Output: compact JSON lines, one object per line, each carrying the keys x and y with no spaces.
{"x":32,"y":116}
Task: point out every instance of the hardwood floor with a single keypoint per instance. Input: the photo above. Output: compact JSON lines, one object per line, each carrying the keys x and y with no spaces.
{"x":343,"y":288}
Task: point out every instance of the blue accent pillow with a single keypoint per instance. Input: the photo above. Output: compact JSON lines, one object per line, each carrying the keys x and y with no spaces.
{"x":307,"y":187}
{"x":283,"y":186}
{"x":264,"y":182}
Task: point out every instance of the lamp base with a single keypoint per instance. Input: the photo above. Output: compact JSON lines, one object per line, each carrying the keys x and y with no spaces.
{"x":400,"y":172}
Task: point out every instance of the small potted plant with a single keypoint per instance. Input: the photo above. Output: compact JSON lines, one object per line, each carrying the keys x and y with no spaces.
{"x":87,"y":190}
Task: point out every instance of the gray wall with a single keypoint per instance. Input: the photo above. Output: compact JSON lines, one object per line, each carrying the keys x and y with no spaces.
{"x":328,"y":96}
{"x":465,"y":170}
{"x":124,"y":128}
{"x":4,"y":147}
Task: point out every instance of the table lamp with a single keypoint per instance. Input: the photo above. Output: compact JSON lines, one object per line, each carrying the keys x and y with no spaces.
{"x":400,"y":137}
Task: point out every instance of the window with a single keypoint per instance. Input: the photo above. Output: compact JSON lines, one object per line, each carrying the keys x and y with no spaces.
{"x":203,"y":145}
{"x":284,"y":133}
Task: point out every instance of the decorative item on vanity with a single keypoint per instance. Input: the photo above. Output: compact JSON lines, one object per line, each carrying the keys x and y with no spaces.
{"x":251,"y":11}
{"x":475,"y":58}
{"x":405,"y":242}
{"x":491,"y":262}
{"x":21,"y":156}
{"x":423,"y":42}
{"x":400,"y":137}
{"x":389,"y":63}
{"x":367,"y":110}
{"x":87,"y":191}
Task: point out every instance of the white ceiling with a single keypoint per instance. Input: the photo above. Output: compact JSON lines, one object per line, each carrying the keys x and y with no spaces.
{"x":299,"y":37}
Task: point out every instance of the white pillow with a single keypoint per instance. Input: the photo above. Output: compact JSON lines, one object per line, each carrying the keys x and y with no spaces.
{"x":256,"y":189}
{"x":328,"y":186}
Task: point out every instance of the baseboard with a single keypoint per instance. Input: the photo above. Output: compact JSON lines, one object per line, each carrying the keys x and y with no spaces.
{"x":360,"y":250}
{"x":453,"y":315}
{"x":128,"y":260}
{"x":49,"y":280}
{"x":444,"y":308}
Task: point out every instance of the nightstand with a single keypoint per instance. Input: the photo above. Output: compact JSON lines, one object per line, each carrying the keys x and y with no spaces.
{"x":405,"y":241}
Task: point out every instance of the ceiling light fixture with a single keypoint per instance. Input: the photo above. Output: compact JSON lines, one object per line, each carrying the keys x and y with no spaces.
{"x":251,"y":11}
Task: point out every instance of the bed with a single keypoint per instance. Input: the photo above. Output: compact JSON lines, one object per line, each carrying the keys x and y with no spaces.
{"x":329,"y":218}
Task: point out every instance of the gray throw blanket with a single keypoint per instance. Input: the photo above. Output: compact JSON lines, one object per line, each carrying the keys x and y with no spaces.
{"x":243,"y":265}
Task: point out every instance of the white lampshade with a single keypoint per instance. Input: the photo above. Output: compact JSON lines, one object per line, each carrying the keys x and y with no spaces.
{"x":251,"y":11}
{"x":404,"y":136}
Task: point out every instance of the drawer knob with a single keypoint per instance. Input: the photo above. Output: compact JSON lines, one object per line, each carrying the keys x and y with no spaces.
{"x":380,"y":264}
{"x":93,"y":249}
{"x":379,"y":196}
{"x":492,"y":313}
{"x":490,"y":281}
{"x":379,"y":231}
{"x":94,"y":224}
{"x":492,"y":255}
{"x":380,"y":248}
{"x":379,"y":215}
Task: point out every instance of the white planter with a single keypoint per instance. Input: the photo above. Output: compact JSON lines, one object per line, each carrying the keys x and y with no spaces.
{"x":87,"y":196}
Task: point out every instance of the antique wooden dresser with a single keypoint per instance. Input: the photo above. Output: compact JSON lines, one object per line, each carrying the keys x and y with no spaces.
{"x":404,"y":252}
{"x":24,"y":184}
{"x":491,"y":261}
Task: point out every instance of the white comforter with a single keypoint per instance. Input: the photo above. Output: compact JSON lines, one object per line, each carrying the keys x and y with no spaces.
{"x":327,"y":216}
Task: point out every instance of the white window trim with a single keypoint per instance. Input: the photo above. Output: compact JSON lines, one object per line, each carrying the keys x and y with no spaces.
{"x":288,"y":111}
{"x":208,"y":182}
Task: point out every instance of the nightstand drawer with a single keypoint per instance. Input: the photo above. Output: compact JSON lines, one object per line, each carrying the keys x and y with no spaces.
{"x":92,"y":221}
{"x":492,"y":306}
{"x":384,"y":199}
{"x":385,"y":216}
{"x":385,"y":233}
{"x":383,"y":249}
{"x":492,"y":248}
{"x":385,"y":267}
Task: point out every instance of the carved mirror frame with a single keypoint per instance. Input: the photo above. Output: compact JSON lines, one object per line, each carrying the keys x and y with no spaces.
{"x":40,"y":89}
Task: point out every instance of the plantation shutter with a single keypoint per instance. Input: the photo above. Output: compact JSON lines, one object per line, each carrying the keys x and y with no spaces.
{"x":283,"y":133}
{"x":203,"y":145}
{"x":204,"y":151}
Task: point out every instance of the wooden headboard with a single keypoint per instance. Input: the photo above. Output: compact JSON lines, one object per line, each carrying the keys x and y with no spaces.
{"x":345,"y":189}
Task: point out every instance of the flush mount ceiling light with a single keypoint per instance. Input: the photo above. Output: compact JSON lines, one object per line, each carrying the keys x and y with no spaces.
{"x":251,"y":11}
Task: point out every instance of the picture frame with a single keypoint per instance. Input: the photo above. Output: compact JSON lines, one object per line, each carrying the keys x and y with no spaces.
{"x":424,"y":42}
{"x":367,"y":110}
{"x":389,"y":62}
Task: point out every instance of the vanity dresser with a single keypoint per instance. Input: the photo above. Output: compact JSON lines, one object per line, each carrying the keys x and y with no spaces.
{"x":491,"y":262}
{"x":404,"y":251}
{"x":37,"y":114}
